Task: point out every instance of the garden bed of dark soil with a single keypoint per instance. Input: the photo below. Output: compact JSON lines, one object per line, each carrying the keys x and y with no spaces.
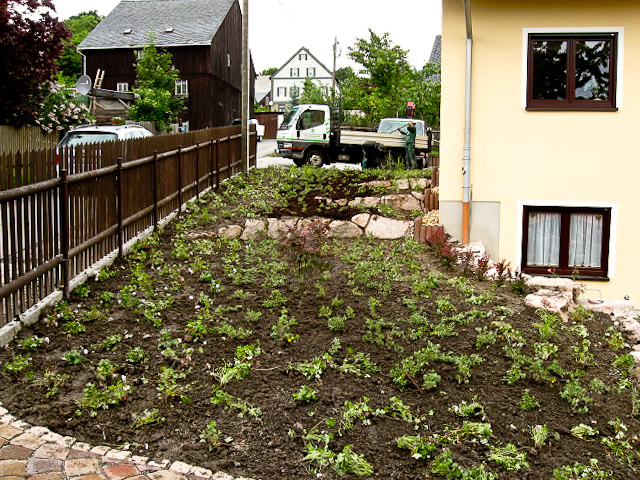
{"x":393,"y":344}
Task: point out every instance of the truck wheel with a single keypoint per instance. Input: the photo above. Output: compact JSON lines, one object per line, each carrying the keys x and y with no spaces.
{"x":314,"y":158}
{"x":298,"y":162}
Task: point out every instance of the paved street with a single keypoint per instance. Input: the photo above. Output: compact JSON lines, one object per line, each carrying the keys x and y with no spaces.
{"x":266,"y":158}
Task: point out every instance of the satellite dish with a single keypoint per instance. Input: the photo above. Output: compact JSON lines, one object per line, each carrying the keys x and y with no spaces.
{"x":83,"y":85}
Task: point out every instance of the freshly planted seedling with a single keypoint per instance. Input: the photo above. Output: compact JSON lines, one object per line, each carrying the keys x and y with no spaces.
{"x":136,"y":355}
{"x":54,"y":382}
{"x":528,"y":402}
{"x":281,"y":331}
{"x":583,"y":431}
{"x":539,"y":435}
{"x":31,"y":343}
{"x":18,"y":364}
{"x":509,"y":457}
{"x":213,"y":437}
{"x":305,"y":394}
{"x":74,"y":357}
{"x":147,"y":417}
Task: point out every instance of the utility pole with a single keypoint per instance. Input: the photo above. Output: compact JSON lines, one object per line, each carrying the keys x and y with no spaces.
{"x":333,"y":84}
{"x":245,"y":86}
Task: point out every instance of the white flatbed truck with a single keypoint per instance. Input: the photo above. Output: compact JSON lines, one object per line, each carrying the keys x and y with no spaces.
{"x":311,"y":134}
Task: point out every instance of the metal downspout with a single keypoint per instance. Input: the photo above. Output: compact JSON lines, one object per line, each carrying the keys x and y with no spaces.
{"x":466,"y":156}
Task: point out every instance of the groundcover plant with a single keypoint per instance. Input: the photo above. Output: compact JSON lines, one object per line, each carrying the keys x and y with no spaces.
{"x":317,"y":357}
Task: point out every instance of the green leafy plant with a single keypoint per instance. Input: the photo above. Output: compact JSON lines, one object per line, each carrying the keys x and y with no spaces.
{"x":509,"y":457}
{"x":305,"y":394}
{"x":213,"y":437}
{"x":169,"y":386}
{"x":528,"y":402}
{"x":95,"y":398}
{"x":147,"y":417}
{"x":539,"y":435}
{"x":73,"y":357}
{"x":580,"y":471}
{"x":136,"y":355}
{"x":281,"y":331}
{"x":30,"y":343}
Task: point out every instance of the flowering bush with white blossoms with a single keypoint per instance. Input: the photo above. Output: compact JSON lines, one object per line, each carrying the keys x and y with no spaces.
{"x":59,"y":110}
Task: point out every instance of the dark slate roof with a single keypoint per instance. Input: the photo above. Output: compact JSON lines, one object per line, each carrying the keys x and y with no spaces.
{"x":173,"y":22}
{"x":436,"y":51}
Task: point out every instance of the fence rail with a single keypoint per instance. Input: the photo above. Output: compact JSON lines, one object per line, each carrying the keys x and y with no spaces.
{"x":99,"y":198}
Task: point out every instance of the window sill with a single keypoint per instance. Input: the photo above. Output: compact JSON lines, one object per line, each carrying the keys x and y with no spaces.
{"x":571,"y":109}
{"x":585,"y":278}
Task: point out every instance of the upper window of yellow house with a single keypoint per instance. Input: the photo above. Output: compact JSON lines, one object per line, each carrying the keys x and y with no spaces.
{"x":568,"y":72}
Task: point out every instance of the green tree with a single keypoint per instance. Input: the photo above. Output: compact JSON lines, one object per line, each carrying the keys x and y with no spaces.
{"x":387,"y":82}
{"x":312,"y":93}
{"x":269,"y":71}
{"x":70,"y":64}
{"x":155,"y":83}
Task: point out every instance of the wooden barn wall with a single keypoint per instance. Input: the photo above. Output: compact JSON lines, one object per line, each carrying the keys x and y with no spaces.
{"x":215,"y":89}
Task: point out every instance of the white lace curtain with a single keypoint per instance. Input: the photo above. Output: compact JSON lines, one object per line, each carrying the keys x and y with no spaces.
{"x":585,"y":240}
{"x":543,"y":246}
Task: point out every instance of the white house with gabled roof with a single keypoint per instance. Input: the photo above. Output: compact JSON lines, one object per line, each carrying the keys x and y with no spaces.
{"x":288,"y":81}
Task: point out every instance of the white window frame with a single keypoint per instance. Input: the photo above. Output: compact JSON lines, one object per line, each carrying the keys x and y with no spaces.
{"x":311,"y":71}
{"x":613,"y":229}
{"x":574,"y":30}
{"x":181,"y":87}
{"x":282,"y":89}
{"x":292,"y":89}
{"x":122,"y":87}
{"x":294,"y":72}
{"x":324,"y":90}
{"x":303,"y":56}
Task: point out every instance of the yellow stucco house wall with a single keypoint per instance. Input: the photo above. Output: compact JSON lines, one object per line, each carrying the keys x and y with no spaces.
{"x":524,"y":160}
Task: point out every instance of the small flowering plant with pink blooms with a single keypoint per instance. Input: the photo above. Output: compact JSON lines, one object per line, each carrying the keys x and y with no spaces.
{"x":59,"y":110}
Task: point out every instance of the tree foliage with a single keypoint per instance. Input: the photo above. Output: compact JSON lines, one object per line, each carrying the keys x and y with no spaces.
{"x":387,"y":82}
{"x":269,"y":71}
{"x":80,"y":26}
{"x":155,"y":83}
{"x":30,"y":43}
{"x":312,"y":93}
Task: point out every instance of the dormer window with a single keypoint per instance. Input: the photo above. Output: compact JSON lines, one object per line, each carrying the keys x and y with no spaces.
{"x":126,"y":31}
{"x":168,"y":30}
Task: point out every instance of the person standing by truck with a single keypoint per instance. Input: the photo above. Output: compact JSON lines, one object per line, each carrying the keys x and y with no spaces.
{"x":410,"y":146}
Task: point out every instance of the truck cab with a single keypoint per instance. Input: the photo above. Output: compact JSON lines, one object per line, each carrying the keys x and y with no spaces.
{"x":305,"y":134}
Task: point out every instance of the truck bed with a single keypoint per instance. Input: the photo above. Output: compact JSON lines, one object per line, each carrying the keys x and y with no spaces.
{"x":389,"y":140}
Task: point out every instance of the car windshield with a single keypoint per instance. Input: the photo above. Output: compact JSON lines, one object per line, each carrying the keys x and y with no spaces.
{"x":79,"y":138}
{"x":287,"y":123}
{"x":398,"y":125}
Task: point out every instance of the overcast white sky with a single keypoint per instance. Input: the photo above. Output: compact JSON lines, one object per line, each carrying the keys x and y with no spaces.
{"x":278,"y":28}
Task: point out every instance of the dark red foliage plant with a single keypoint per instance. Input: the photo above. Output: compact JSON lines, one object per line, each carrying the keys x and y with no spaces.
{"x":31,"y":40}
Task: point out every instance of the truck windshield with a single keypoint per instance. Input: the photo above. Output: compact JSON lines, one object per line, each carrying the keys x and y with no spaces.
{"x":397,"y":125}
{"x":289,"y":119}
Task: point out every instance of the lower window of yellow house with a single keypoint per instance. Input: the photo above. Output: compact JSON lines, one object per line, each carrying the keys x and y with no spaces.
{"x":566,"y":241}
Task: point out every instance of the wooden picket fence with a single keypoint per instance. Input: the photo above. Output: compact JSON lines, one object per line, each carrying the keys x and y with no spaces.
{"x":25,"y":139}
{"x":96,"y":199}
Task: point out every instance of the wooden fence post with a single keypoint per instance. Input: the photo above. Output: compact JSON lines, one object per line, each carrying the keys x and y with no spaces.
{"x":179,"y":179}
{"x":197,"y":171}
{"x":119,"y":190}
{"x":217,"y":164}
{"x":211,"y":163}
{"x":64,"y":226}
{"x":155,"y":190}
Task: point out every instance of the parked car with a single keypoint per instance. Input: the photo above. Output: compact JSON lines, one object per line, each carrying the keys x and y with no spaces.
{"x":259,"y":127}
{"x":91,"y":134}
{"x":102,"y":133}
